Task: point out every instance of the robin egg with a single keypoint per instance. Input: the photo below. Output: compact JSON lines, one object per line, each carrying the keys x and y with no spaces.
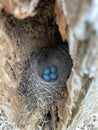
{"x":46,"y":70}
{"x":53,"y":76}
{"x":53,"y":69}
{"x":46,"y":77}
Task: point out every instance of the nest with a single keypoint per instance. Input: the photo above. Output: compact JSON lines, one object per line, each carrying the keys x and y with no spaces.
{"x":36,"y":91}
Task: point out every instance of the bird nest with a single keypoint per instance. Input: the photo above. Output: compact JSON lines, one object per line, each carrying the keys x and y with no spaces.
{"x":38,"y":92}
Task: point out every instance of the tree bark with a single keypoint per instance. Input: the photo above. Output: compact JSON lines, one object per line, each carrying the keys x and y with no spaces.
{"x":83,"y":41}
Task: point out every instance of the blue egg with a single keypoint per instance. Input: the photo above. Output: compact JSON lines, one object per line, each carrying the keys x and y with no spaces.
{"x":46,"y":70}
{"x":53,"y":76}
{"x":53,"y":69}
{"x":46,"y":77}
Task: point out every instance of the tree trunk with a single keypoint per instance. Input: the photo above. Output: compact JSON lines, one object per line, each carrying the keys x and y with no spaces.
{"x":77,"y":23}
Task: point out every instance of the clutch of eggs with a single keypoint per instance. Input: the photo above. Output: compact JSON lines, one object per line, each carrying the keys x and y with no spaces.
{"x":49,"y":73}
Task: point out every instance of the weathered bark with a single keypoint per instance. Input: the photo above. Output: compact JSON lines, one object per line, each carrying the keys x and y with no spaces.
{"x":81,"y":103}
{"x":82,"y":18}
{"x":20,"y":8}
